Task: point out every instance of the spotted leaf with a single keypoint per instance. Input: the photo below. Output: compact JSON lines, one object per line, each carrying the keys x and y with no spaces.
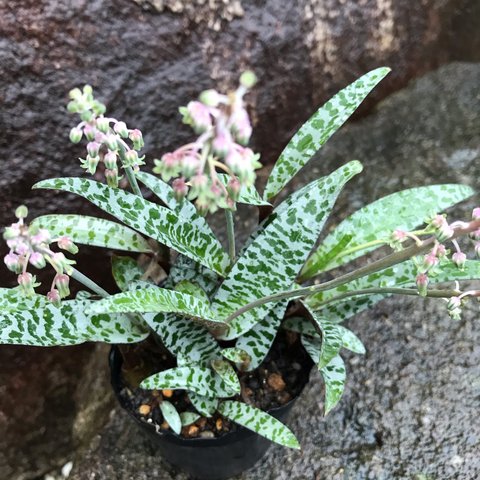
{"x":97,"y":232}
{"x":35,"y":321}
{"x":155,"y":300}
{"x":248,"y":194}
{"x":200,"y":380}
{"x":334,"y":374}
{"x":125,"y":271}
{"x":184,"y":338}
{"x":171,"y":416}
{"x":257,"y":341}
{"x":187,"y":418}
{"x":350,"y":341}
{"x":319,"y":128}
{"x":189,"y":235}
{"x":225,"y":370}
{"x":273,"y":259}
{"x":300,"y":325}
{"x":259,"y":422}
{"x":204,"y":405}
{"x":376,"y":222}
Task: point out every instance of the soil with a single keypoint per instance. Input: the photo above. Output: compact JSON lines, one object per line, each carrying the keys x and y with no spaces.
{"x":279,"y":379}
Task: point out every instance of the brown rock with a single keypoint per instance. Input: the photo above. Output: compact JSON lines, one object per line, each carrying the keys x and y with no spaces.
{"x":275,"y":381}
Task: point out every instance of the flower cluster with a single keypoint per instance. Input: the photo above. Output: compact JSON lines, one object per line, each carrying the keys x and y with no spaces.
{"x":442,"y":231}
{"x":224,"y":129}
{"x":30,"y":245}
{"x":107,"y":137}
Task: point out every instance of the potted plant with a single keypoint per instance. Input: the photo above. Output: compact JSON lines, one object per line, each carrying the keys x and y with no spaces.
{"x":215,"y":344}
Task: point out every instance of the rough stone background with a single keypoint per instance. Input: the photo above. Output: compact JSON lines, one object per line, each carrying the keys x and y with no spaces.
{"x":147,"y":57}
{"x":410,"y":410}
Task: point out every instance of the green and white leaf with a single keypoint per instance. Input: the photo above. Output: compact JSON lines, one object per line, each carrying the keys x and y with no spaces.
{"x":259,"y":422}
{"x":273,"y":259}
{"x":204,"y":405}
{"x":350,"y":341}
{"x":319,"y":128}
{"x":258,"y":341}
{"x":185,"y":268}
{"x":156,"y":300}
{"x":188,"y":418}
{"x":200,"y":380}
{"x":189,"y":288}
{"x":171,"y":416}
{"x":227,"y":373}
{"x":300,"y":325}
{"x":97,"y":232}
{"x":189,"y":235}
{"x":184,"y":338}
{"x":331,"y":340}
{"x":35,"y":321}
{"x":165,"y":193}
{"x":377,"y":222}
{"x":248,"y":193}
{"x":125,"y":271}
{"x":334,"y":374}
{"x":236,"y":355}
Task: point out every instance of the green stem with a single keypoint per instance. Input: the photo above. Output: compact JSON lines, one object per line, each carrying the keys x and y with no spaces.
{"x":381,"y":264}
{"x":363,"y":246}
{"x":393,"y":291}
{"x":388,"y":261}
{"x":90,"y":284}
{"x":132,"y":180}
{"x":230,"y":235}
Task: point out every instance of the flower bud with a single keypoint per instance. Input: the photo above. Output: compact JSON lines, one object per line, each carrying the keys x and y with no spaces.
{"x":91,"y":164}
{"x":233,"y":188}
{"x":103,"y":124}
{"x":222,"y":143}
{"x":110,"y":160}
{"x":59,"y":261}
{"x":430,"y":261}
{"x":13,"y":263}
{"x":53,"y":296}
{"x":475,"y":235}
{"x":90,"y":132}
{"x":42,"y":237}
{"x":121,"y":129}
{"x":422,"y":284}
{"x":476,"y":246}
{"x":22,"y":247}
{"x":248,"y":79}
{"x":75,"y":135}
{"x":459,"y":259}
{"x":200,"y":116}
{"x":75,"y":94}
{"x":86,"y":116}
{"x":241,"y":127}
{"x":180,"y":189}
{"x":476,"y":213}
{"x":62,"y":281}
{"x":441,"y":250}
{"x":65,"y":243}
{"x":37,"y":260}
{"x":88,"y":90}
{"x":137,"y":138}
{"x":211,"y":98}
{"x":93,"y":148}
{"x":111,"y":141}
{"x":130,"y":158}
{"x":189,"y":164}
{"x":112,"y":177}
{"x":454,"y":308}
{"x":26,"y":282}
{"x":443,"y":231}
{"x":21,"y":212}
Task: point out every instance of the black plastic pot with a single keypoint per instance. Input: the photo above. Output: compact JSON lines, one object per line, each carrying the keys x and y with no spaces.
{"x":205,"y":459}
